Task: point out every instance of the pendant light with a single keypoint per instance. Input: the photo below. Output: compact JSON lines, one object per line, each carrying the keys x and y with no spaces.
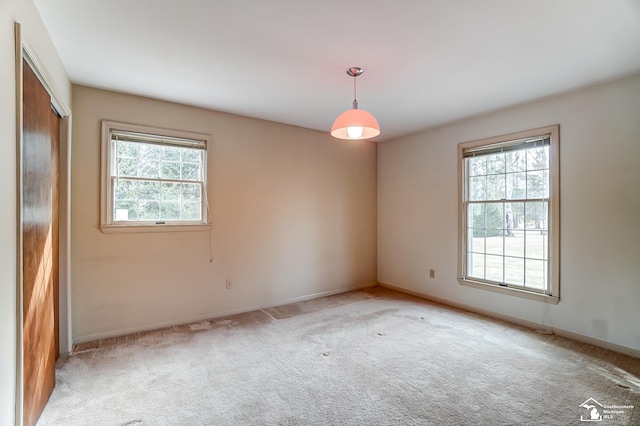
{"x":355,"y":123}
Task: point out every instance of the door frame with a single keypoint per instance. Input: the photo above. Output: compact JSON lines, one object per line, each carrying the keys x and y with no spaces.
{"x":24,"y":50}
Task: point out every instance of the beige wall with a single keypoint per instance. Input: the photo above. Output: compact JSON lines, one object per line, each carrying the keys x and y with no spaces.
{"x":35,"y":34}
{"x":600,"y":208}
{"x":294,"y":214}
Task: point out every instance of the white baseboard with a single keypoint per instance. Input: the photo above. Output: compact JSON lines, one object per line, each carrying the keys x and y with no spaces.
{"x":188,"y":320}
{"x":514,"y":320}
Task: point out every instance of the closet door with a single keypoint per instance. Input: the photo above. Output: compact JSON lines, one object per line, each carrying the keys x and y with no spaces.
{"x":40,"y":146}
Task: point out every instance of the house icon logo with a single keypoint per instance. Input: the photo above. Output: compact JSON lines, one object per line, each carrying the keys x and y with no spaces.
{"x":593,"y":411}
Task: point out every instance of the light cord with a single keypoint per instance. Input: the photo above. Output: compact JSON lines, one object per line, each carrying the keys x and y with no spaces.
{"x":354,"y":89}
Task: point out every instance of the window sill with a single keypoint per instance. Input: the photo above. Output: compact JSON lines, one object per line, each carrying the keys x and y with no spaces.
{"x":511,"y":291}
{"x":117,"y":229}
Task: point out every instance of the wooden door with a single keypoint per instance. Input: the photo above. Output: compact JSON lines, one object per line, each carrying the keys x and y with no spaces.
{"x":40,"y":146}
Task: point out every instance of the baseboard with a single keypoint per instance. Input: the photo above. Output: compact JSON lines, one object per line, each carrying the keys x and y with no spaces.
{"x":518,"y":321}
{"x":188,"y":320}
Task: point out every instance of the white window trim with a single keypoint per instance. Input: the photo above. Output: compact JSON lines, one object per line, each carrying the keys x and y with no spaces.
{"x":553,"y":296}
{"x":106,"y":197}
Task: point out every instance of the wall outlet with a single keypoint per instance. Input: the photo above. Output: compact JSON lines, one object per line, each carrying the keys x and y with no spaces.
{"x":432,"y":273}
{"x":228,"y":284}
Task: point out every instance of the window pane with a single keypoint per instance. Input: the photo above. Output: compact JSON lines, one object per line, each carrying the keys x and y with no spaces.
{"x":125,"y":210}
{"x":471,"y":244}
{"x":127,"y":167}
{"x":514,"y":271}
{"x":475,"y":267}
{"x":149,"y":152}
{"x":191,"y":171}
{"x":126,"y":149}
{"x":149,"y":190}
{"x":515,"y":161}
{"x":517,"y":209}
{"x":149,"y":169}
{"x":170,"y":211}
{"x":125,"y":189}
{"x":514,"y":246}
{"x":170,"y":153}
{"x":477,"y":188}
{"x":538,"y":184}
{"x":171,"y":191}
{"x":149,"y":161}
{"x":495,"y":163}
{"x":494,"y":268}
{"x":509,"y":221}
{"x":495,"y":245}
{"x":148,"y":210}
{"x":496,"y":187}
{"x":535,"y":215}
{"x":477,"y":166}
{"x":535,"y":274}
{"x":478,"y":240}
{"x":542,"y":216}
{"x":495,"y":219}
{"x":191,"y":192}
{"x":538,"y":158}
{"x":516,"y":185}
{"x":191,"y":211}
{"x":170,"y":170}
{"x":537,"y":242}
{"x":191,"y":155}
{"x":477,"y":215}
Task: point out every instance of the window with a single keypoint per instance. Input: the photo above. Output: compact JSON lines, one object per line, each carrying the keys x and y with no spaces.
{"x":152,"y":179}
{"x":509,"y":214}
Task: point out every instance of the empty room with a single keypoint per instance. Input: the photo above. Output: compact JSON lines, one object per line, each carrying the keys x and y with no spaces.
{"x":320,"y":212}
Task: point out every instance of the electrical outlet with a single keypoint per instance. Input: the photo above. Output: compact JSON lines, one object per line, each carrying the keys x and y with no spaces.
{"x":432,"y":273}
{"x":228,"y":284}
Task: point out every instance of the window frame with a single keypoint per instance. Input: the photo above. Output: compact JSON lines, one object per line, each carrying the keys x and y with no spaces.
{"x":107,"y":222}
{"x":552,"y":293}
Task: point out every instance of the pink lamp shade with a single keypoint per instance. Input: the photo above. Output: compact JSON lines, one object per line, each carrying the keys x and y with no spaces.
{"x":355,"y":124}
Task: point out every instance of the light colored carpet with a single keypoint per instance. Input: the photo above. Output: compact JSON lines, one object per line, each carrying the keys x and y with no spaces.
{"x":373,"y":357}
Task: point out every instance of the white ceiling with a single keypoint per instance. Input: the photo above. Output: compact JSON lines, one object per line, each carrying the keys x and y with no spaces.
{"x":426,"y":62}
